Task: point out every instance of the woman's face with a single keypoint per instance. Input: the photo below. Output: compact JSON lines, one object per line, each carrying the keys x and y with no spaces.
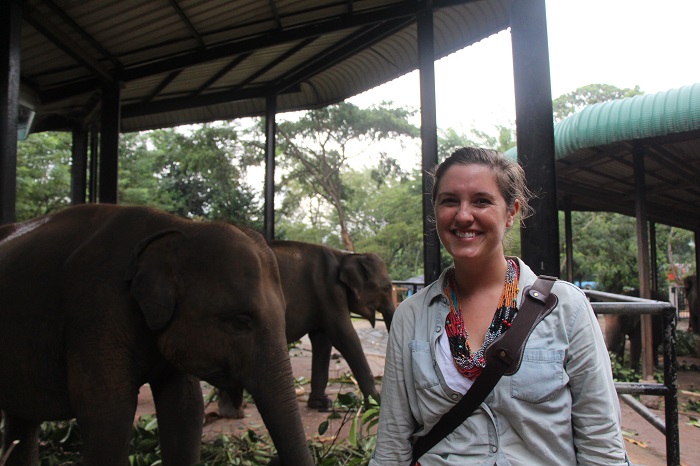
{"x":471,"y":214}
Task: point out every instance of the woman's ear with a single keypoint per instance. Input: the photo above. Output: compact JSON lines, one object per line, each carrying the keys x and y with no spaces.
{"x":512,"y":213}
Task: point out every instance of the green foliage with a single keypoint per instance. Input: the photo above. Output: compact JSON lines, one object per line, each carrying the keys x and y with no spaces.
{"x":598,"y":237}
{"x":43,"y":174}
{"x":621,"y":372}
{"x":449,"y":140}
{"x":59,"y":443}
{"x":362,"y":438}
{"x":314,"y":150}
{"x":566,"y":104}
{"x":693,"y":405}
{"x":686,"y":343}
{"x":249,"y":449}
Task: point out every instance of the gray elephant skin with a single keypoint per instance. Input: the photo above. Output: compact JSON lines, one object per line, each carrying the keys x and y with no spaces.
{"x":322,"y":286}
{"x":620,"y":327}
{"x":690,"y":285}
{"x":97,"y":300}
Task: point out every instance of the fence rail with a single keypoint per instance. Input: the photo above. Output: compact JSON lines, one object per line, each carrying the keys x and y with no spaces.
{"x":625,"y":305}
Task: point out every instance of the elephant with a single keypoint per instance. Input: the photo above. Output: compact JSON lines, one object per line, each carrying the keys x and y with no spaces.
{"x":322,"y":286}
{"x":691,"y":296}
{"x":617,"y":327}
{"x":98,"y":300}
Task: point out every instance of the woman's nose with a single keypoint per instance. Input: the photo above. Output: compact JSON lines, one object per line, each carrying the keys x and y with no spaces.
{"x":464,"y":213}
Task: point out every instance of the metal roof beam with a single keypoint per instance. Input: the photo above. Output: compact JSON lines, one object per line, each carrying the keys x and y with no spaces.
{"x":63,"y":41}
{"x":340,"y":51}
{"x":184,"y":103}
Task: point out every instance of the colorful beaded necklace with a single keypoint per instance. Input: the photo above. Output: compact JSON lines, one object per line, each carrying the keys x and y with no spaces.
{"x":470,"y":363}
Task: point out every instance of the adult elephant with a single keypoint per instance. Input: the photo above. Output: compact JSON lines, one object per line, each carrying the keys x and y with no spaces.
{"x":690,"y":285}
{"x":322,"y":286}
{"x":620,"y":327}
{"x":97,"y":300}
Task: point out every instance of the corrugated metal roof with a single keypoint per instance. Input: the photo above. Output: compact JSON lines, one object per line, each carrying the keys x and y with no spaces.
{"x":594,"y":156}
{"x":638,"y":117}
{"x":189,"y":61}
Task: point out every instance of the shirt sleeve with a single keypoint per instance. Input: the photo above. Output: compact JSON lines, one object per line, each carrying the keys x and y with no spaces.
{"x":595,"y":406}
{"x":396,"y":422}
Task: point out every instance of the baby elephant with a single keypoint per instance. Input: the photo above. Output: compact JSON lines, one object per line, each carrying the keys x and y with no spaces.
{"x":322,"y":286}
{"x":98,"y":300}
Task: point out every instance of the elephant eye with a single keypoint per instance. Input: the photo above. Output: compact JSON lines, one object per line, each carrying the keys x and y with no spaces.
{"x":244,"y":321}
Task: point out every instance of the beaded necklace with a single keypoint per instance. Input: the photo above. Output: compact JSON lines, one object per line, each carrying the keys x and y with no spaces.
{"x":470,"y":363}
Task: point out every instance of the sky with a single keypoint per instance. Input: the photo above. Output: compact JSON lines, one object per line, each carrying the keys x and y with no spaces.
{"x":652,"y":44}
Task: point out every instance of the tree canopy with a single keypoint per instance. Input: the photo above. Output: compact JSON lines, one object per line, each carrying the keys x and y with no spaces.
{"x":204,"y":171}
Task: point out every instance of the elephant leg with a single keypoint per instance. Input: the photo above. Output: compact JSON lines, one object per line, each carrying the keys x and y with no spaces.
{"x":180,"y":410}
{"x":635,"y":347}
{"x":106,"y":431}
{"x":320,"y":360}
{"x":231,"y":404}
{"x":614,"y":338}
{"x":26,"y":452}
{"x":344,"y":337}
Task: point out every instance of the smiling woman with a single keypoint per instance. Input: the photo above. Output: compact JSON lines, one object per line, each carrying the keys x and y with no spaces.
{"x":439,"y":337}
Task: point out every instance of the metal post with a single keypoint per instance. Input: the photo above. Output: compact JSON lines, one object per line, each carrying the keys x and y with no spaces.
{"x":429,"y":156}
{"x":109,"y":144}
{"x":643,"y":260}
{"x":535,"y":133}
{"x":10,"y":35}
{"x":78,"y":170}
{"x":568,"y":233}
{"x":270,"y":126}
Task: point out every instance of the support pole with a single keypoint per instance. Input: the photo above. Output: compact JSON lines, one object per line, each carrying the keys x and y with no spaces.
{"x":429,"y":156}
{"x":10,"y":35}
{"x":270,"y":126}
{"x":568,"y":233}
{"x":94,"y":164}
{"x":78,"y":169}
{"x":643,"y":260}
{"x":109,"y":144}
{"x":535,"y":133}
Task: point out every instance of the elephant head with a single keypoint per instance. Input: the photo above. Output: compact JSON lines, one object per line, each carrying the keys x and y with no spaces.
{"x":217,"y":305}
{"x":366,"y":276}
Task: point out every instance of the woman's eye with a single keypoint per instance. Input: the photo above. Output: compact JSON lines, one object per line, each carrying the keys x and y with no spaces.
{"x":483,"y":201}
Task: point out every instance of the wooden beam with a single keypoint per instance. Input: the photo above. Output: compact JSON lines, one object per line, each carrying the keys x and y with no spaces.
{"x":428,"y":132}
{"x":535,"y":133}
{"x":10,"y":35}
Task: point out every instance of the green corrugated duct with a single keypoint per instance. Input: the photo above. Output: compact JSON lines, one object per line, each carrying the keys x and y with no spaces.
{"x":638,"y":117}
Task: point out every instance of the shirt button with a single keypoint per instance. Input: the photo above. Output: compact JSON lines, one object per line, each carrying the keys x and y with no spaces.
{"x":438,"y":329}
{"x":455,"y":396}
{"x":444,"y":299}
{"x":494,"y":449}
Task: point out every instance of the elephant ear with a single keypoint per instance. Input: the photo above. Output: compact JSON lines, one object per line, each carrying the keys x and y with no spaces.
{"x":151,"y":277}
{"x":354,"y":274}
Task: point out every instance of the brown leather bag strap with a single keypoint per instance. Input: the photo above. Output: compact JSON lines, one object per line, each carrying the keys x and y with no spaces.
{"x":503,"y":356}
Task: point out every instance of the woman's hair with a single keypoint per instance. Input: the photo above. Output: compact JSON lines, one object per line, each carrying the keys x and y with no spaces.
{"x":510,"y":176}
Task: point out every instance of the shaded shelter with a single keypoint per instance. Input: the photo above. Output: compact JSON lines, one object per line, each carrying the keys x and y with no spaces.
{"x":638,"y":156}
{"x":98,"y":68}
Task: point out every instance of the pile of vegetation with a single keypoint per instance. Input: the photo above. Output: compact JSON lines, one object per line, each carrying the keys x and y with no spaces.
{"x":60,"y":442}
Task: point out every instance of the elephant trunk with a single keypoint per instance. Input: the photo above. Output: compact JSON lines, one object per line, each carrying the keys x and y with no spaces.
{"x":272,"y":388}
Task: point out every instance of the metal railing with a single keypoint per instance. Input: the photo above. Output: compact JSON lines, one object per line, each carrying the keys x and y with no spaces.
{"x":609,"y":303}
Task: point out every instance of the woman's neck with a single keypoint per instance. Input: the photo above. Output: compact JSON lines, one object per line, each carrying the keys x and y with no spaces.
{"x":472,"y":277}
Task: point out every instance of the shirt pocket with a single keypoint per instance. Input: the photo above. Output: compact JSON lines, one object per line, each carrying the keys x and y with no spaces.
{"x":424,"y":374}
{"x":540,"y":377}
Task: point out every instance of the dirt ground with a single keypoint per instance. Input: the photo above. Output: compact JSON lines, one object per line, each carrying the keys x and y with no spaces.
{"x":645,"y":444}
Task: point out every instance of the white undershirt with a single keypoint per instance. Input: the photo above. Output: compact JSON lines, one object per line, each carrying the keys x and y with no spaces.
{"x":453,"y":378}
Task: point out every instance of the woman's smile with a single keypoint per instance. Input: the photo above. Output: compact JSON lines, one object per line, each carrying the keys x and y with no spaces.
{"x":471,"y":214}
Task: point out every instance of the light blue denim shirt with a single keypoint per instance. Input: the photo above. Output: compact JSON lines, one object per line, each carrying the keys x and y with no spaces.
{"x":560,"y":408}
